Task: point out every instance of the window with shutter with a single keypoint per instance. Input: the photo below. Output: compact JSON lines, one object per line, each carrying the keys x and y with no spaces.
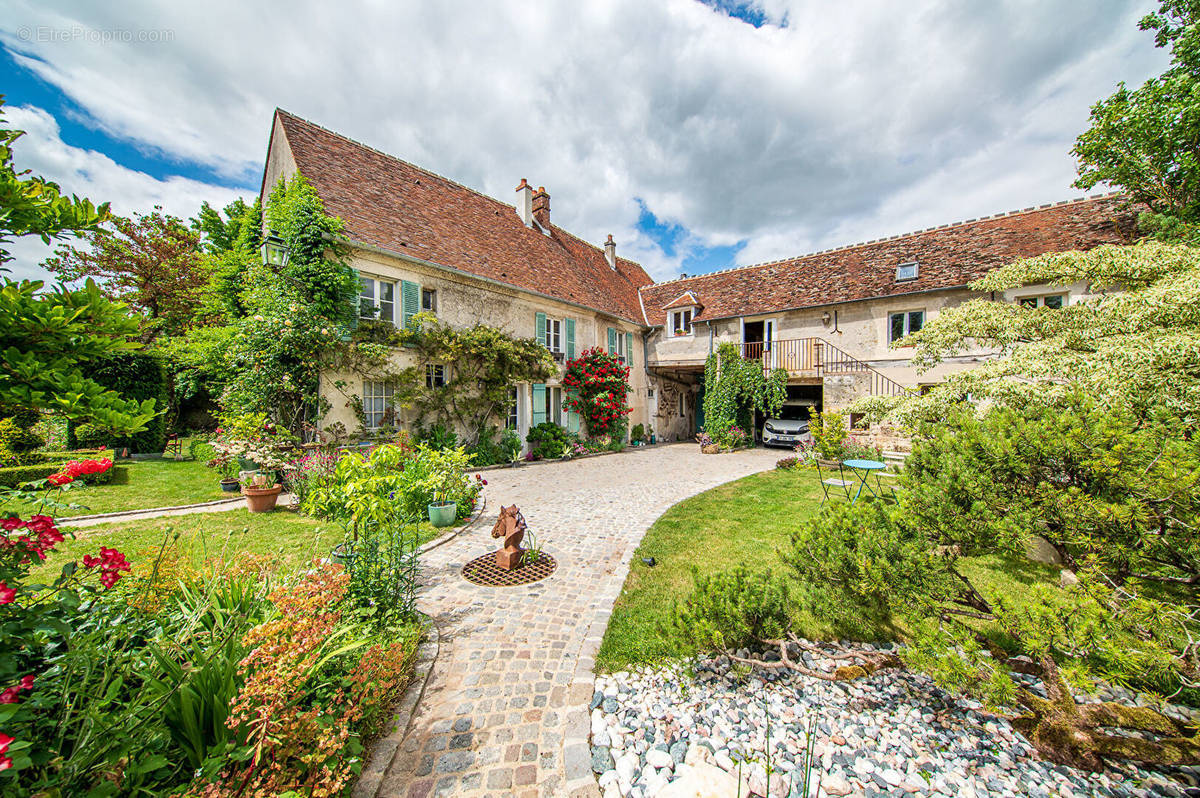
{"x":612,"y":341}
{"x":538,"y":415}
{"x":410,"y":301}
{"x":629,"y":349}
{"x":570,"y":325}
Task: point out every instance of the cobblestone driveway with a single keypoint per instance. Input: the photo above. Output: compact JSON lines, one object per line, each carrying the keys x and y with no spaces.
{"x":505,"y":711}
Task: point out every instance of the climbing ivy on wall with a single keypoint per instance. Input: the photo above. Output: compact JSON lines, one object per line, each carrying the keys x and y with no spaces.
{"x":733,"y":388}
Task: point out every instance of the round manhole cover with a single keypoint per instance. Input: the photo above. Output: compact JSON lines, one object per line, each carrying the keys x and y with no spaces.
{"x":484,"y":571}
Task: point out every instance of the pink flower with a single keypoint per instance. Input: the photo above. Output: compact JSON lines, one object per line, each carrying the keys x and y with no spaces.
{"x":9,"y":695}
{"x":5,"y":742}
{"x":7,"y":594}
{"x":5,"y":762}
{"x":27,"y":682}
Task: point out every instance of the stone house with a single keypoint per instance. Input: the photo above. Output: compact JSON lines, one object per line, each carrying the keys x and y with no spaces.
{"x":421,"y":242}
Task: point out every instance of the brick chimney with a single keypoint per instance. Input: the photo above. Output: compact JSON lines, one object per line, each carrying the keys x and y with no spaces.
{"x":525,"y":202}
{"x":610,"y":252}
{"x":541,"y":207}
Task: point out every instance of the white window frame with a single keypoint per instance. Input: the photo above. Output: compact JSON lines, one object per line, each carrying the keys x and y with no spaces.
{"x":907,"y":314}
{"x":901,"y":271}
{"x":376,"y":301}
{"x":620,"y":353}
{"x":377,"y":397}
{"x":1039,"y":300}
{"x":435,"y":373}
{"x":554,"y":405}
{"x":552,"y":336}
{"x":678,"y":323}
{"x":432,"y":293}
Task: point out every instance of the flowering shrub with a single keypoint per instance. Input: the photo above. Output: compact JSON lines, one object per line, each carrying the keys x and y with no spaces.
{"x":308,"y":472}
{"x":250,"y":436}
{"x":786,"y":463}
{"x":77,"y":469}
{"x":597,"y":385}
{"x":36,"y":623}
{"x":307,"y":694}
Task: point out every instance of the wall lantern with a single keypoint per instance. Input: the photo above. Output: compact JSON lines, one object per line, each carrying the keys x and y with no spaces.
{"x":825,"y":318}
{"x":274,"y":252}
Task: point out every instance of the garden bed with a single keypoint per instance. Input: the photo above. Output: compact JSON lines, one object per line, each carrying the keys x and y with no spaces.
{"x":146,"y":484}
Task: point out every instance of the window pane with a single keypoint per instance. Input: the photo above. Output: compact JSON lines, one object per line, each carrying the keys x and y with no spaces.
{"x":906,"y":271}
{"x":366,"y":293}
{"x":1028,"y":301}
{"x":897,"y":330}
{"x":387,"y":301}
{"x":1053,"y":301}
{"x":916,"y":320}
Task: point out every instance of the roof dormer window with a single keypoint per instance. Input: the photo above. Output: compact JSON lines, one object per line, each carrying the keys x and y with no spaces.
{"x":906,"y":272}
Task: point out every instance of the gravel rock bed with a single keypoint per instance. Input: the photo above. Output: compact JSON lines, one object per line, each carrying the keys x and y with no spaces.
{"x":893,"y":734}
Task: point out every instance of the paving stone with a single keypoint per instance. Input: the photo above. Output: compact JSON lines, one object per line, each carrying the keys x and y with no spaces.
{"x":514,"y":666}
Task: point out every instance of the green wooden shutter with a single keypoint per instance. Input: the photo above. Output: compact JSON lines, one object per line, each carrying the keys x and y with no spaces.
{"x":628,"y":349}
{"x":539,"y":405}
{"x":410,"y":301}
{"x":354,"y":303}
{"x":612,"y":340}
{"x":539,"y":327}
{"x":573,"y":418}
{"x":570,"y":339}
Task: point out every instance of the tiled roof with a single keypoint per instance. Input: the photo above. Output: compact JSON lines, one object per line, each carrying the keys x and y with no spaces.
{"x":685,"y":300}
{"x":948,"y":256}
{"x":393,"y":205}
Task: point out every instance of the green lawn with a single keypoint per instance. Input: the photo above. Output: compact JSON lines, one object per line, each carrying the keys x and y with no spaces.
{"x":142,"y":484}
{"x":743,"y":521}
{"x":293,"y":538}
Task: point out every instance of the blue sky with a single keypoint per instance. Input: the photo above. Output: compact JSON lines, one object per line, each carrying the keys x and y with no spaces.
{"x":702,"y":135}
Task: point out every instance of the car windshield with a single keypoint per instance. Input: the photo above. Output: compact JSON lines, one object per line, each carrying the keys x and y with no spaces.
{"x":793,"y":413}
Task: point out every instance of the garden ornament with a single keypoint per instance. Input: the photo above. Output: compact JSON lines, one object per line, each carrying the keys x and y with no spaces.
{"x":511,"y":527}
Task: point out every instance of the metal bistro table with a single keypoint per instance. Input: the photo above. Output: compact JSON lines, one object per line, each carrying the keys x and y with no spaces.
{"x":862,"y":469}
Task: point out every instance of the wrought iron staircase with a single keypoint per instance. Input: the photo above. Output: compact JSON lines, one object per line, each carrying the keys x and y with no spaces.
{"x":814,"y":357}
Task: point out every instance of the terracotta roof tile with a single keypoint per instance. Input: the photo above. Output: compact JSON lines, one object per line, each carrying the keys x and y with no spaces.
{"x":948,"y":256}
{"x":391,"y":204}
{"x":685,"y":300}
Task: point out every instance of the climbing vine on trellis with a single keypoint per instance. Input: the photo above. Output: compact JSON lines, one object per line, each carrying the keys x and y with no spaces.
{"x":733,"y":388}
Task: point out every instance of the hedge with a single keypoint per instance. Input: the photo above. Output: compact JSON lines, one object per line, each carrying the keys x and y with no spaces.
{"x":140,"y":376}
{"x":13,"y":475}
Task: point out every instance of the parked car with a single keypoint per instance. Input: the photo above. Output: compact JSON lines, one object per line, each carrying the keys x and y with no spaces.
{"x":790,"y":427}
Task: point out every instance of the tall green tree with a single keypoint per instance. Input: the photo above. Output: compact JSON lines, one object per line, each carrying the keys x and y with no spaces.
{"x":48,"y":337}
{"x":220,"y":233}
{"x":1147,"y":140}
{"x":295,"y":316}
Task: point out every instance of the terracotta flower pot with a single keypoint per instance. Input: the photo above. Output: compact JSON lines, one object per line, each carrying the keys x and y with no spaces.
{"x":261,"y":500}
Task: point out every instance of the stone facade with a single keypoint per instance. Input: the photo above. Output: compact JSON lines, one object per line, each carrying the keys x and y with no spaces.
{"x":503,"y":264}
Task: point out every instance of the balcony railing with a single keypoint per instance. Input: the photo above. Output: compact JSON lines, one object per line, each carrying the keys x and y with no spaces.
{"x":818,"y":358}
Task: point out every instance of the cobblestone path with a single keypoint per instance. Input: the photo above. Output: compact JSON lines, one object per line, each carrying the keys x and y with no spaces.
{"x":505,"y":711}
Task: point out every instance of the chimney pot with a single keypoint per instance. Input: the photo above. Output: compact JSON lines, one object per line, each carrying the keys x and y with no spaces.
{"x":683,"y":275}
{"x":524,"y":203}
{"x":541,"y":207}
{"x":610,"y":252}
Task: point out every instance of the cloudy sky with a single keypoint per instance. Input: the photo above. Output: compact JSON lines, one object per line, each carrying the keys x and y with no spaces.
{"x":701,"y":134}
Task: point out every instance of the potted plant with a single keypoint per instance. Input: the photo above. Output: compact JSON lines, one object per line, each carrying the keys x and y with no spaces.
{"x":442,"y":512}
{"x":261,"y":492}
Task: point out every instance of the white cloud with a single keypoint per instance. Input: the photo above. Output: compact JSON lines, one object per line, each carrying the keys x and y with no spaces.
{"x":87,"y":173}
{"x":854,"y":121}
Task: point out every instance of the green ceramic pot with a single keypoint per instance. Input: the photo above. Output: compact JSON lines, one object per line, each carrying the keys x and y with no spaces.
{"x":443,"y":513}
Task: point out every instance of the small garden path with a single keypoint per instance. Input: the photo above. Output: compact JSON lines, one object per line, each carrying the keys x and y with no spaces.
{"x":216,"y":506}
{"x":505,"y":710}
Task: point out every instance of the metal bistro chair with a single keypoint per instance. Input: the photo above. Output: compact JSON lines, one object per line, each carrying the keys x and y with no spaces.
{"x":840,"y":482}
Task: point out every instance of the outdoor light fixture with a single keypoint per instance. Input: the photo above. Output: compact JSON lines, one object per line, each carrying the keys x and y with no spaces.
{"x":274,"y":252}
{"x":825,"y":318}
